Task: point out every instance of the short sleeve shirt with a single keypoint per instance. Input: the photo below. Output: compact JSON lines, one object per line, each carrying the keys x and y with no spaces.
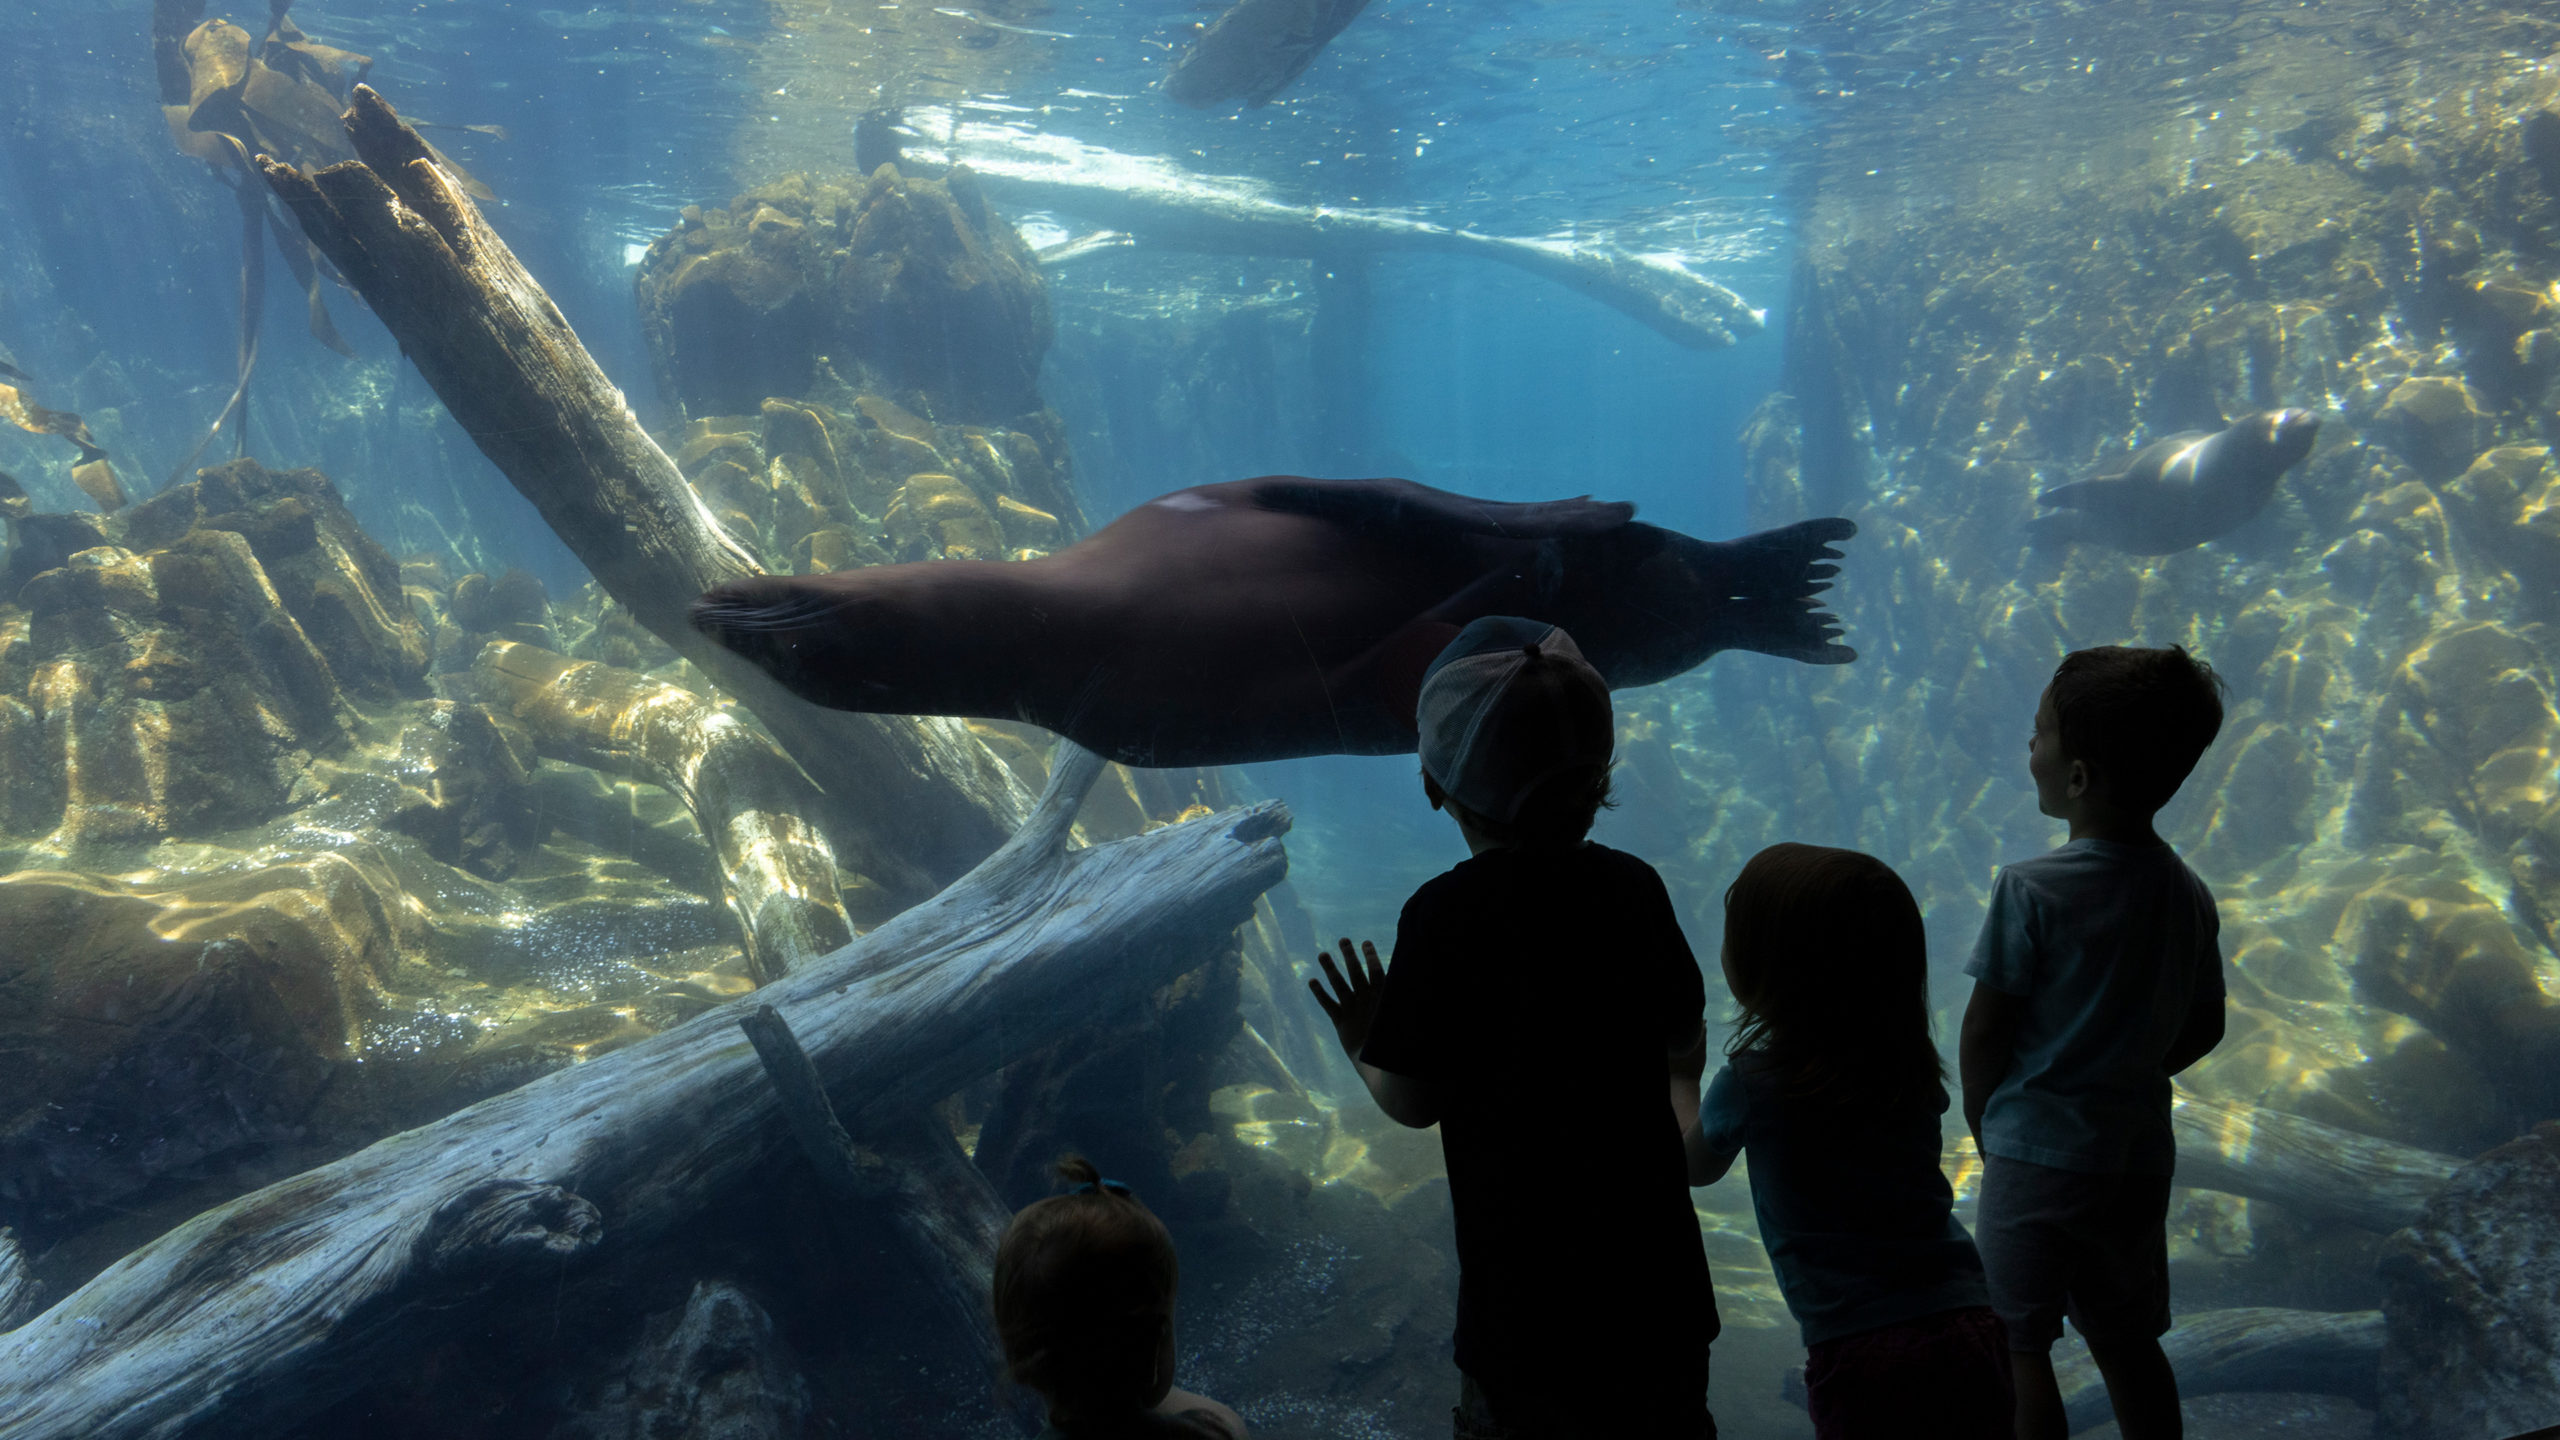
{"x":1856,"y":1214}
{"x":1540,"y":993}
{"x":2114,"y":948}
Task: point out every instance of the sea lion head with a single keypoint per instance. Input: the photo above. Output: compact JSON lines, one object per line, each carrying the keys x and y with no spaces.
{"x":2285,"y":435}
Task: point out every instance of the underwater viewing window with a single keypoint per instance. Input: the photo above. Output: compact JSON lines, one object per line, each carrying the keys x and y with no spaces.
{"x":777,"y":718}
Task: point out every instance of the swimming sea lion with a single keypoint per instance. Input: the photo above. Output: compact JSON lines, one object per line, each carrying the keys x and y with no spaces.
{"x":1263,"y":619}
{"x":2180,"y":492}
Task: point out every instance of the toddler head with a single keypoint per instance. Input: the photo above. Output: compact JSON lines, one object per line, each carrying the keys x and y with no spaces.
{"x":2135,"y":722}
{"x":1829,"y":967}
{"x":1517,"y":732}
{"x":1084,"y":1286}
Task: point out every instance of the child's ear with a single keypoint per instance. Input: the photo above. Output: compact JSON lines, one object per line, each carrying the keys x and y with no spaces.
{"x":2081,"y":780}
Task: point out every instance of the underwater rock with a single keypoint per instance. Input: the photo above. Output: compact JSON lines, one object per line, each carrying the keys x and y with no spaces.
{"x":175,"y":691}
{"x":943,"y":298}
{"x":713,"y":1371}
{"x":906,"y":286}
{"x":153,"y":1029}
{"x":2432,"y":948}
{"x":463,"y":778}
{"x":2473,"y":1317}
{"x":338,"y":582}
{"x":2434,"y":420}
{"x":2509,"y":503}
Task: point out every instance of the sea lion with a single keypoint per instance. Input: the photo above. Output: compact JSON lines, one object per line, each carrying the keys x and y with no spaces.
{"x":1255,"y":49}
{"x":2177,"y":493}
{"x":1278,"y":617}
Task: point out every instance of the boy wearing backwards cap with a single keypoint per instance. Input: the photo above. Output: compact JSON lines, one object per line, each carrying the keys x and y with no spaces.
{"x":1545,"y":1011}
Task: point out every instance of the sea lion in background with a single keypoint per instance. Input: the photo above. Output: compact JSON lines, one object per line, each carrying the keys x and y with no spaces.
{"x":1270,"y":618}
{"x":1255,"y":49}
{"x":2177,"y":493}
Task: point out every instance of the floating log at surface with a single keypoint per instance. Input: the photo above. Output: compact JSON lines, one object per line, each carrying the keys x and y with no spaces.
{"x":264,"y":1309}
{"x":911,"y":802}
{"x":2317,"y":1171}
{"x":1164,"y":205}
{"x":777,"y":872}
{"x":2258,"y":1349}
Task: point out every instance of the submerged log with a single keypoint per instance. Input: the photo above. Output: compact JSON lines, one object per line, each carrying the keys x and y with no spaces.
{"x":2317,"y":1171}
{"x":914,"y":1176}
{"x":2258,"y":1350}
{"x":777,"y":872}
{"x":264,"y":1310}
{"x":910,"y":802}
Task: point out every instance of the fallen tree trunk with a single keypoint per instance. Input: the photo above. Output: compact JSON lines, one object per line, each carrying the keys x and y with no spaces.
{"x":2257,"y":1350}
{"x":911,"y":802}
{"x":263,"y":1310}
{"x":913,"y":1177}
{"x":777,"y":872}
{"x":1160,"y":204}
{"x":2317,"y":1171}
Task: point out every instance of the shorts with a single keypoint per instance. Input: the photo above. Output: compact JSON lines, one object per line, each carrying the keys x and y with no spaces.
{"x":1600,"y":1412}
{"x":1952,"y":1367}
{"x":2058,"y":1242}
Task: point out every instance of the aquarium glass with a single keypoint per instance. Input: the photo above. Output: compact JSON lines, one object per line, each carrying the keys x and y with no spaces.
{"x":389,"y":855}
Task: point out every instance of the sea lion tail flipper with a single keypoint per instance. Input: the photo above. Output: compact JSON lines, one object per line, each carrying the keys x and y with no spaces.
{"x":1774,"y":587}
{"x":1401,"y":505}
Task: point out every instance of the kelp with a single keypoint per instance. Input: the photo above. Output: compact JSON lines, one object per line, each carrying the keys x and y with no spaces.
{"x":228,"y":99}
{"x":91,"y":472}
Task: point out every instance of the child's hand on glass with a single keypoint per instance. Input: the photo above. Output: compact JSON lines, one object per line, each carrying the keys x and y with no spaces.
{"x":1352,"y":1005}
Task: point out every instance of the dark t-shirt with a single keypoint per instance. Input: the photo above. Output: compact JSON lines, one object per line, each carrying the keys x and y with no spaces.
{"x":1540,"y":993}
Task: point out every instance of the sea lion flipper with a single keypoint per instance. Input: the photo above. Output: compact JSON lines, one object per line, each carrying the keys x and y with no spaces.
{"x":1774,"y":578}
{"x":1396,"y":505}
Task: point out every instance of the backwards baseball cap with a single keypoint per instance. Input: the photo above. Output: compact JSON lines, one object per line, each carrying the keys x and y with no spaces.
{"x":1508,"y":704}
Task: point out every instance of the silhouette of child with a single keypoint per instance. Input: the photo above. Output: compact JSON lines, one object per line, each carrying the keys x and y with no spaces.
{"x":2098,"y":976}
{"x":1084,"y":1288}
{"x":1539,"y":993}
{"x":1835,"y":1088}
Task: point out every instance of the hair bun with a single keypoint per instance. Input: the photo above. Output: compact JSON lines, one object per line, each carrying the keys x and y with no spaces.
{"x":1076,"y":1170}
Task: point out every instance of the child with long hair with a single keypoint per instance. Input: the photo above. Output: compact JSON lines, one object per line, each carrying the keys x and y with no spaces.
{"x":1834,"y":1087}
{"x":1084,"y":1288}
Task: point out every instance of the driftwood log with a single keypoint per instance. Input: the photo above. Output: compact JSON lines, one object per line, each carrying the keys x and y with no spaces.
{"x":2258,"y":1350}
{"x":777,"y":871}
{"x":910,"y":802}
{"x":2218,"y":1352}
{"x":778,"y":877}
{"x":261,"y":1311}
{"x":914,"y":1177}
{"x":2317,"y":1171}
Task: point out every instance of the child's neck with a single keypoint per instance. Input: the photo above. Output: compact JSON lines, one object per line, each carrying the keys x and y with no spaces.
{"x":2114,"y":826}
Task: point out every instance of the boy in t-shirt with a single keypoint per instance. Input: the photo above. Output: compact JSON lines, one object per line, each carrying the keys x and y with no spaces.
{"x":2098,"y":976}
{"x":1540,"y":997}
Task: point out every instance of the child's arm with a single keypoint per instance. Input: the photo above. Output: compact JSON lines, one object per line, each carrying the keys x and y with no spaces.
{"x":2202,"y":1031}
{"x":1984,"y":1049}
{"x":1353,"y":1008}
{"x":1688,"y":1064}
{"x":1713,"y":1138}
